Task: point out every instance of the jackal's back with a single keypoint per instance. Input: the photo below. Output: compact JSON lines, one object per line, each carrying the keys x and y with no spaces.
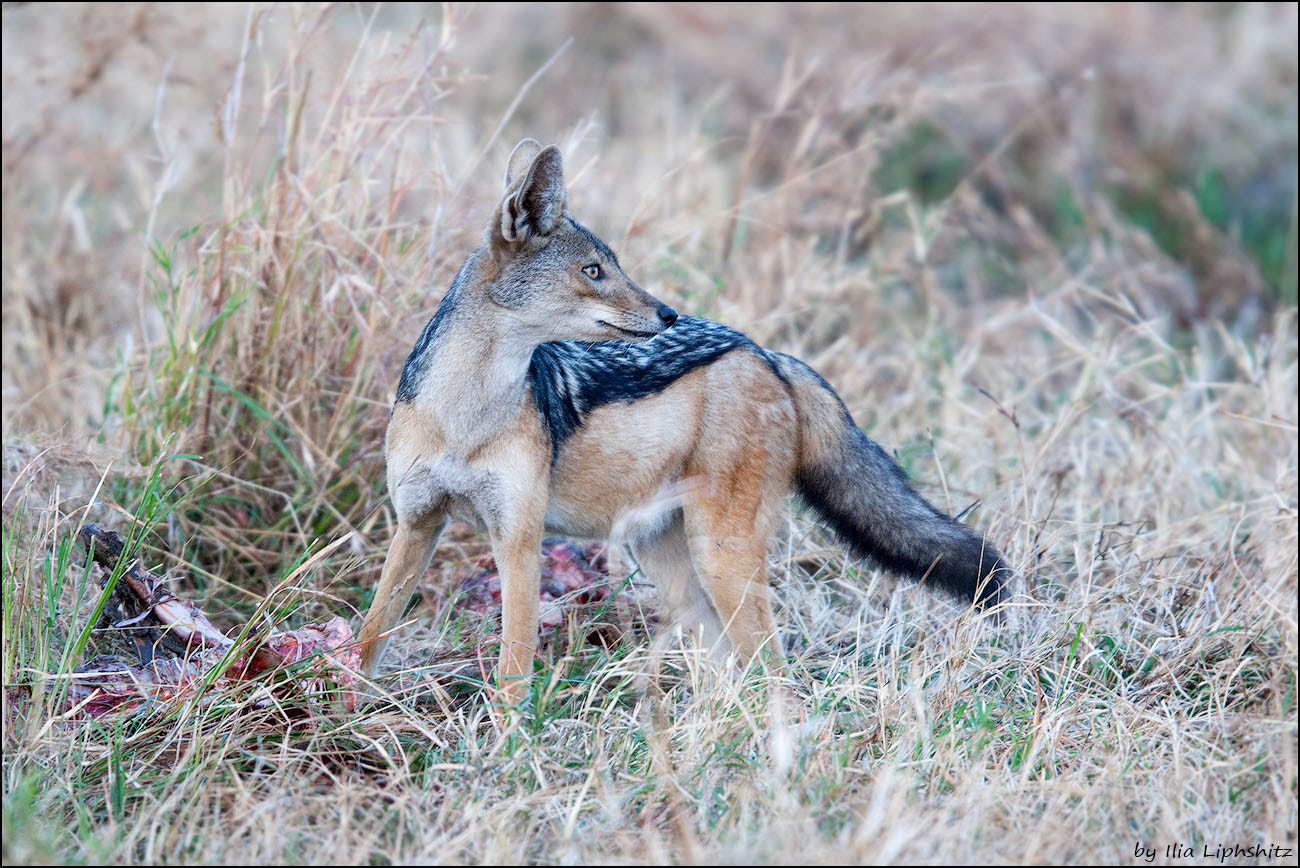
{"x":569,"y":379}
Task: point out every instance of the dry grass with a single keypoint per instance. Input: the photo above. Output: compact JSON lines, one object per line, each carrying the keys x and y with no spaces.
{"x":1046,"y":254}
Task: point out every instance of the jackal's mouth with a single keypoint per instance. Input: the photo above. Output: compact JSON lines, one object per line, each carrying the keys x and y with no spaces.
{"x":630,"y":332}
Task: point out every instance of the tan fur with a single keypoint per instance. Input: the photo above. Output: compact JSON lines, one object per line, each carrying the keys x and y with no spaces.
{"x":692,"y":475}
{"x":516,"y":456}
{"x":711,"y":562}
{"x":468,"y":445}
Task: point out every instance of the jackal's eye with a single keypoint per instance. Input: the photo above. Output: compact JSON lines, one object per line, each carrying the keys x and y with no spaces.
{"x":593,"y":271}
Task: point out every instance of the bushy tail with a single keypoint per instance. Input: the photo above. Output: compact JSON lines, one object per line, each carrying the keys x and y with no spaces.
{"x":859,"y":491}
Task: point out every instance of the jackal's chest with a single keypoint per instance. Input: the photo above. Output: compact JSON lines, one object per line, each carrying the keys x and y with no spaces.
{"x":452,"y":486}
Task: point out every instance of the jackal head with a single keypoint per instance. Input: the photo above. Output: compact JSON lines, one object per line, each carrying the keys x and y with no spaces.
{"x":554,"y":276}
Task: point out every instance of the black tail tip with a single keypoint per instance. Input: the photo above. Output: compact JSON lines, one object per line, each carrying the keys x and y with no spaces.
{"x":992,"y":588}
{"x":974,"y":571}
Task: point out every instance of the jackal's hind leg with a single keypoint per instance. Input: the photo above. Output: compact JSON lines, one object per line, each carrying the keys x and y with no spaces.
{"x":666,"y":560}
{"x":733,"y":572}
{"x":744,"y":459}
{"x":727,"y":529}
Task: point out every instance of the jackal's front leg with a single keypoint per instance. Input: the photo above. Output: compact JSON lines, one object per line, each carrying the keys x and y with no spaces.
{"x":408,"y":558}
{"x":518,"y":556}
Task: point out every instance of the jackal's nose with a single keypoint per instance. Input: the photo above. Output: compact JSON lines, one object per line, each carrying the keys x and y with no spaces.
{"x":667,"y":315}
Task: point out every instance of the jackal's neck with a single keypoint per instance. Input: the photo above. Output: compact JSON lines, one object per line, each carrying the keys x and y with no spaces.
{"x":469,"y":370}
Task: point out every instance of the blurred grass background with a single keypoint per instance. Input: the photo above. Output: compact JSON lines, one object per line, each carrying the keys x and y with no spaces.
{"x":1046,"y":252}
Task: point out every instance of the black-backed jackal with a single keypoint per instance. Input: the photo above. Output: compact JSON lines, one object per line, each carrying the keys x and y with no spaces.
{"x":549,"y":391}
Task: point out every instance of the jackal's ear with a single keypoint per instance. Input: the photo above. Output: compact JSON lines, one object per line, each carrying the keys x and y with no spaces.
{"x":534,"y":207}
{"x":520,"y":159}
